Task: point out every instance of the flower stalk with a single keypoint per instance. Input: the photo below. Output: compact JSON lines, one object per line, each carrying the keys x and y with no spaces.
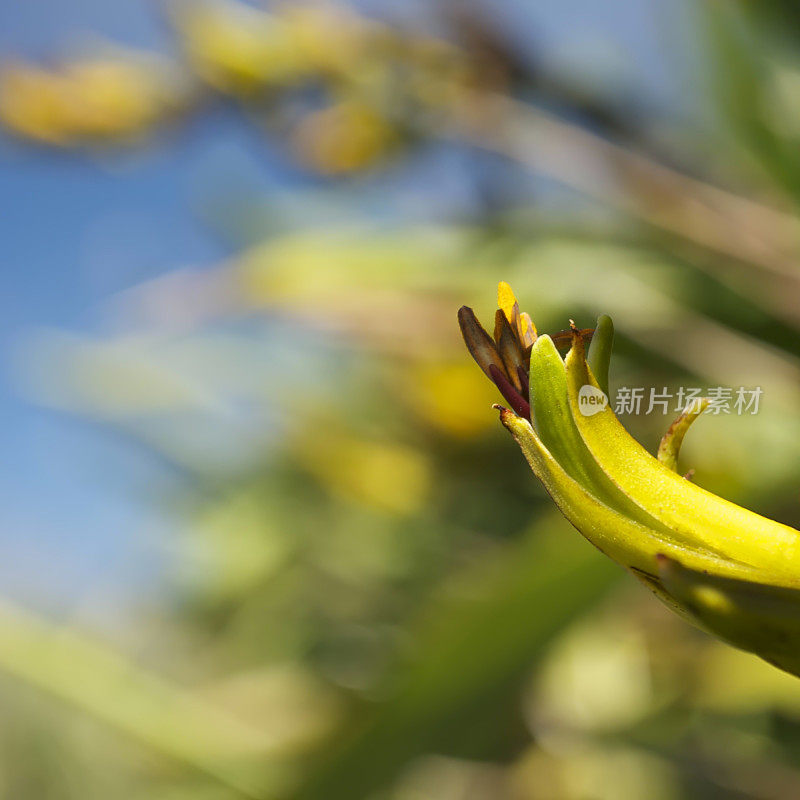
{"x":729,"y":570}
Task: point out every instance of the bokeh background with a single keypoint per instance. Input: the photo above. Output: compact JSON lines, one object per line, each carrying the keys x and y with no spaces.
{"x":261,"y":535}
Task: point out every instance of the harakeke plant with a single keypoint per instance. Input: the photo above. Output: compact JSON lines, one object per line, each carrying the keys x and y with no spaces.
{"x":731,"y":571}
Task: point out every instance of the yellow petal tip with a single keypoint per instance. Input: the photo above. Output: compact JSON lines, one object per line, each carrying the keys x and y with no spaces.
{"x":506,"y":300}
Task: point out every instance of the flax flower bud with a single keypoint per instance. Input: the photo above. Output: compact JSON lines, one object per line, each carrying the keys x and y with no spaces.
{"x":731,"y":571}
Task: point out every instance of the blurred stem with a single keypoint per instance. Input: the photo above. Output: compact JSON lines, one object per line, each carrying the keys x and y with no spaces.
{"x":716,"y":219}
{"x":103,"y":683}
{"x":740,"y":77}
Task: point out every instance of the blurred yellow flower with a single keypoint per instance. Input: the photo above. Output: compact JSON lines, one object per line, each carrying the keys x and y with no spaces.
{"x":435,"y":390}
{"x":236,"y":48}
{"x":90,"y":100}
{"x":383,"y":475}
{"x":345,"y":137}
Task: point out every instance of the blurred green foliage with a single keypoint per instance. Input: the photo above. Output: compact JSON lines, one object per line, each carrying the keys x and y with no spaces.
{"x":370,"y":596}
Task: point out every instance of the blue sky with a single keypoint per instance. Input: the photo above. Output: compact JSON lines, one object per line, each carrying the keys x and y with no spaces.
{"x":74,"y":230}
